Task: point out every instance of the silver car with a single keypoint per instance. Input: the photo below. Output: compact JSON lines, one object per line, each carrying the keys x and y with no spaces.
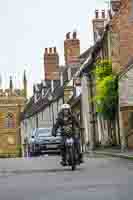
{"x":44,"y":142}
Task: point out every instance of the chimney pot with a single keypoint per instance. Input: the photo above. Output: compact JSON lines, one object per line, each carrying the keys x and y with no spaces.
{"x":74,"y":35}
{"x":103,"y":14}
{"x":109,"y":14}
{"x":46,"y":50}
{"x":54,"y":49}
{"x":50,"y":50}
{"x":68,"y":36}
{"x":97,"y":14}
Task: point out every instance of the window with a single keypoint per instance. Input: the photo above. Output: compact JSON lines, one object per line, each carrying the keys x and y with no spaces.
{"x":9,"y":121}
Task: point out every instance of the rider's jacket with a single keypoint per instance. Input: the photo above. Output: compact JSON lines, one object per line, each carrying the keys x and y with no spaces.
{"x":66,"y":123}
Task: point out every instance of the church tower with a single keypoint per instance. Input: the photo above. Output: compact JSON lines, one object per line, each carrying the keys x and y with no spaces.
{"x":12,"y":102}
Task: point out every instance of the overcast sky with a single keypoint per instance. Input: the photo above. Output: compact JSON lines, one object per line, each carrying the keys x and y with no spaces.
{"x":28,"y":26}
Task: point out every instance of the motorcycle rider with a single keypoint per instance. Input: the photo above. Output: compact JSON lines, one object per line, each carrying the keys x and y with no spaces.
{"x":66,"y":121}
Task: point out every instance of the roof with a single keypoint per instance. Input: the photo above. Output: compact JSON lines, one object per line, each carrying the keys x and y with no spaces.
{"x":58,"y":93}
{"x":70,"y":83}
{"x":84,"y":55}
{"x":74,"y":100}
{"x":32,"y":108}
{"x":127,"y":67}
{"x":92,"y":54}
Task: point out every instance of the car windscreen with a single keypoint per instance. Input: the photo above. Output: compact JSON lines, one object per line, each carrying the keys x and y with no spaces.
{"x":44,"y":132}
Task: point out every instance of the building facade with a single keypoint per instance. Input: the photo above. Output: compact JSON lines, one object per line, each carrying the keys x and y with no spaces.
{"x":122,"y":55}
{"x":12,"y":102}
{"x":40,"y":112}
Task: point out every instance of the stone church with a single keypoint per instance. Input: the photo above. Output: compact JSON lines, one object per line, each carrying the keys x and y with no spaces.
{"x":12,"y":103}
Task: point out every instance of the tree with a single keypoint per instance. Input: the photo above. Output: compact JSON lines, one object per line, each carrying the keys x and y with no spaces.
{"x":106,"y":98}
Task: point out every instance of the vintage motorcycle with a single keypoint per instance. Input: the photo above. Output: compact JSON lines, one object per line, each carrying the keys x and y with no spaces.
{"x":72,"y":156}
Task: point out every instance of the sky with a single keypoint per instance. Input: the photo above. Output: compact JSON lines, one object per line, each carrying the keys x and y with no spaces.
{"x":27,"y":27}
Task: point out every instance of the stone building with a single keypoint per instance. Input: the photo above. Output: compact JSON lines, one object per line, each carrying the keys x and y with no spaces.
{"x":12,"y":103}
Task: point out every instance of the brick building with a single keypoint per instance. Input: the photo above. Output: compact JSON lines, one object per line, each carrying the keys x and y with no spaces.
{"x":122,"y":58}
{"x":122,"y":33}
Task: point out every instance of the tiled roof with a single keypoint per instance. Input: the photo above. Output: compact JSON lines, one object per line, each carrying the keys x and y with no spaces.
{"x":74,"y":100}
{"x":85,"y":54}
{"x":32,"y":108}
{"x":126,"y":68}
{"x":92,"y":54}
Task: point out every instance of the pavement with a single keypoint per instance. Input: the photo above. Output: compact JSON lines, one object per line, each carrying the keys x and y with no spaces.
{"x":42,"y":178}
{"x":114,"y":152}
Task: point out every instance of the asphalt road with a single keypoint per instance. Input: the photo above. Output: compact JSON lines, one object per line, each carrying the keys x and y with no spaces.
{"x":44,"y":179}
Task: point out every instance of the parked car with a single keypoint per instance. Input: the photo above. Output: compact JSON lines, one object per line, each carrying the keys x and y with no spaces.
{"x":44,"y":142}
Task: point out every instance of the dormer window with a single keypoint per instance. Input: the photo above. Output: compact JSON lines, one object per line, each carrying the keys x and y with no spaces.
{"x":35,"y":98}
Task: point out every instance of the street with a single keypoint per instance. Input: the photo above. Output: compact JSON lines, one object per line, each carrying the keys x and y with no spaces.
{"x":44,"y":179}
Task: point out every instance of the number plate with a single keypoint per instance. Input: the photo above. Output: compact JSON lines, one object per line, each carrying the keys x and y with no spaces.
{"x":69,"y":141}
{"x":51,"y":146}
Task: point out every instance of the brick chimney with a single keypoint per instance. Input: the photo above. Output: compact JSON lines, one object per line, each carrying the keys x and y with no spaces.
{"x":98,"y":24}
{"x":51,"y":64}
{"x":115,"y":5}
{"x":71,"y":49}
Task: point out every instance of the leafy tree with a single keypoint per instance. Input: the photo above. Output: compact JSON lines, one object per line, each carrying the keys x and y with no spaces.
{"x":106,"y":98}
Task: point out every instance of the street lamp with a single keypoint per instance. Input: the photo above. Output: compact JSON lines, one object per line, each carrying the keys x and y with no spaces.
{"x":50,"y":98}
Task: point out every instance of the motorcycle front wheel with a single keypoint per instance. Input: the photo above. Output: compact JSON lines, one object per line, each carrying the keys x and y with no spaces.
{"x":72,"y":158}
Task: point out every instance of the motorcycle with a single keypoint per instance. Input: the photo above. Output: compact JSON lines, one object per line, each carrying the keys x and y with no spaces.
{"x":71,"y":152}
